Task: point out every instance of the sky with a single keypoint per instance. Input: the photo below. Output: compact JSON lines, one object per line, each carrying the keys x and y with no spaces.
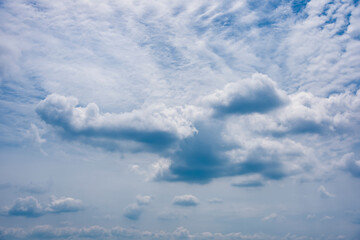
{"x":169,"y":119}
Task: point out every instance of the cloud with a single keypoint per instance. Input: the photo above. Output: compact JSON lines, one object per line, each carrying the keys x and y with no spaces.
{"x":156,"y":126}
{"x":30,"y":206}
{"x":350,"y":164}
{"x":215,"y":200}
{"x":257,"y":94}
{"x":96,"y":232}
{"x":273,"y":217}
{"x":324,"y":193}
{"x":252,"y":182}
{"x":185,"y":200}
{"x":49,"y":232}
{"x":64,"y":204}
{"x":142,"y":200}
{"x":135,"y":210}
{"x":27,"y":207}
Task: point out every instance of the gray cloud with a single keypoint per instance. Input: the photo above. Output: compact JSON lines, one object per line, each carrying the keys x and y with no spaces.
{"x":350,"y":164}
{"x":186,"y":200}
{"x":27,"y":207}
{"x":134,"y":210}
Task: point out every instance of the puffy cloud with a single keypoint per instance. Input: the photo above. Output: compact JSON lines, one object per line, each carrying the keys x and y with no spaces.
{"x":64,"y":204}
{"x":185,"y":200}
{"x":155,"y":126}
{"x":143,"y":200}
{"x":256,"y":94}
{"x":27,"y":207}
{"x":30,"y":206}
{"x":134,"y":210}
{"x":324,"y":193}
{"x":350,"y":164}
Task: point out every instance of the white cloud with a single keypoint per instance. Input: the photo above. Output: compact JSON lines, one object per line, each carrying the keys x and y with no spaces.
{"x":30,"y":206}
{"x":324,"y":193}
{"x":186,"y":200}
{"x":64,"y":204}
{"x":155,"y":125}
{"x":256,"y":94}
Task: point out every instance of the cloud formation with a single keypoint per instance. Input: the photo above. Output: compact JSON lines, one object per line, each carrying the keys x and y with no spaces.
{"x":257,"y":94}
{"x":30,"y":206}
{"x":186,"y":200}
{"x":324,"y":193}
{"x":27,"y":207}
{"x":96,"y":232}
{"x":156,"y":126}
{"x":134,"y":211}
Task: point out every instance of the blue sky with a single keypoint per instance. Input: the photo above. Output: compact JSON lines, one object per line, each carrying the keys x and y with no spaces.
{"x":179,"y":119}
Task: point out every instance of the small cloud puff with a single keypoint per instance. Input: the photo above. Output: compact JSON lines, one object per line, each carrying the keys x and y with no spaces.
{"x":30,"y":206}
{"x":135,"y":210}
{"x":185,"y":200}
{"x":349,"y":163}
{"x":324,"y":193}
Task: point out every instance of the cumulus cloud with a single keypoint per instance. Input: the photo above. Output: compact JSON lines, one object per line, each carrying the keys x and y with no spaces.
{"x":142,"y":200}
{"x":134,"y":211}
{"x":350,"y":164}
{"x":155,"y":126}
{"x":324,"y":193}
{"x":30,"y":206}
{"x":256,"y":94}
{"x":27,"y":207}
{"x":64,"y":204}
{"x":185,"y":200}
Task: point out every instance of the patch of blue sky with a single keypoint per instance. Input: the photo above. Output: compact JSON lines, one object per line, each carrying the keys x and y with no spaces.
{"x":298,"y":6}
